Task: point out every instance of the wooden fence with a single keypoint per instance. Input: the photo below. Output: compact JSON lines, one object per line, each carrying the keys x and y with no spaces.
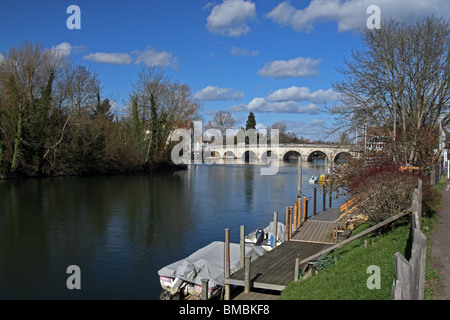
{"x":409,"y":278}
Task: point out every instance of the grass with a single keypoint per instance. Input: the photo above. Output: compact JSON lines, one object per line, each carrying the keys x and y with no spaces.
{"x":348,"y":275}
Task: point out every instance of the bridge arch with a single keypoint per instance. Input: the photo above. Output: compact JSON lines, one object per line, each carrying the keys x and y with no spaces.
{"x":342,"y":157}
{"x":229,"y":153}
{"x":317,"y":154}
{"x":291,"y":155}
{"x":265,"y":157}
{"x":249,"y":156}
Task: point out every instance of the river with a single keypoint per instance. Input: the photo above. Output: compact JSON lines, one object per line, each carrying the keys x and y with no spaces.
{"x":120,"y":230}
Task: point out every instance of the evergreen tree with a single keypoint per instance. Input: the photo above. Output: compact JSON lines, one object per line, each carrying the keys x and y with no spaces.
{"x":251,"y":122}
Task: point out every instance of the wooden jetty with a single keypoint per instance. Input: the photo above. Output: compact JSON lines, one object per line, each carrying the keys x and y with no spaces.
{"x":275,"y":269}
{"x":305,"y":237}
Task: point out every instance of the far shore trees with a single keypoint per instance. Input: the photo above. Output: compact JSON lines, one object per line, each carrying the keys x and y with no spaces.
{"x":55,"y":119}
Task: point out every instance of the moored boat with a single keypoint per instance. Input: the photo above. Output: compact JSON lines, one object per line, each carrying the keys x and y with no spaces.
{"x":183,"y":279}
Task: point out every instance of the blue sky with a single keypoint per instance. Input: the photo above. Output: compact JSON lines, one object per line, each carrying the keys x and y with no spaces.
{"x":275,"y":58}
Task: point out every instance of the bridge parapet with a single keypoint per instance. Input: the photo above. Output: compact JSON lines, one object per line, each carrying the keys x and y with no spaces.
{"x":306,"y":151}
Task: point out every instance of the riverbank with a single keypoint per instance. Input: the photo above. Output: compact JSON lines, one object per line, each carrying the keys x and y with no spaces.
{"x":344,"y":274}
{"x":156,"y":167}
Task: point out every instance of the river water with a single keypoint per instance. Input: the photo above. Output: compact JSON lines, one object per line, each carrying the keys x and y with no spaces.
{"x":120,"y":230}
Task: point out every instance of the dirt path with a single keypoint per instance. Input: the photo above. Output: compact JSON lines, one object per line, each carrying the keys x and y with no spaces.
{"x":440,"y":247}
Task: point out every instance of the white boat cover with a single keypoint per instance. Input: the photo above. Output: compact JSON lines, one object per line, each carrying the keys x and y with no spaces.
{"x":281,"y":232}
{"x":208,"y":263}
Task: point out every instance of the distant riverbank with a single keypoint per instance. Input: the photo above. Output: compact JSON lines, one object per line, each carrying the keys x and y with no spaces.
{"x":157,"y":167}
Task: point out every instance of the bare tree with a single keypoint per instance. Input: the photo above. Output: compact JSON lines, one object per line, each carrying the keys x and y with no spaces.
{"x":399,"y":82}
{"x":222,"y":120}
{"x":158,"y":106}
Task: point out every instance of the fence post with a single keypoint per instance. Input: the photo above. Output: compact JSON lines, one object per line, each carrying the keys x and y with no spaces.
{"x":418,"y":263}
{"x":297,"y":267}
{"x":401,"y":289}
{"x":247,"y":274}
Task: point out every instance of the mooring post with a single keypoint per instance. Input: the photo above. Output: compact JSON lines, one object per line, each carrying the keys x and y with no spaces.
{"x":275,"y":230}
{"x":304,"y":209}
{"x":315,"y":201}
{"x":205,"y":289}
{"x":290,"y":222}
{"x":324,"y":198}
{"x":299,"y":188}
{"x":299,"y":205}
{"x":242,"y":246}
{"x":331,"y":196}
{"x":286,"y":221}
{"x":227,"y":263}
{"x":296,"y":215}
{"x":247,"y":274}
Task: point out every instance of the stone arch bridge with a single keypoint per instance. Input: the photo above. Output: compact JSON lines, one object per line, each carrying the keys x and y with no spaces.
{"x":283,"y":151}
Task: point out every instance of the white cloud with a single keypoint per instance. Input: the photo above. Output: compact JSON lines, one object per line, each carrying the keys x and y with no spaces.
{"x":352,"y":15}
{"x":230,"y":17}
{"x":64,"y":49}
{"x":263,"y":105}
{"x":303,"y":94}
{"x":2,"y":57}
{"x":154,"y":58}
{"x":212,"y":93}
{"x":235,"y":51}
{"x":298,"y":67}
{"x":110,"y":58}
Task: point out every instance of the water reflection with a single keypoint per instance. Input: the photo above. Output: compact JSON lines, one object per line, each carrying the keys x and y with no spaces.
{"x":121,"y":230}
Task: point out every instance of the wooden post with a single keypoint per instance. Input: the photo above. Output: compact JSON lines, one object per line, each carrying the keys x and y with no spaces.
{"x":247,"y":274}
{"x":296,"y":215}
{"x":329,"y":204}
{"x":275,"y":230}
{"x":205,"y":289}
{"x":304,"y":209}
{"x":299,"y":182}
{"x":324,"y":198}
{"x":286,"y":222}
{"x":307,"y":204}
{"x":297,"y":268}
{"x":290,"y":223}
{"x":315,"y":201}
{"x":299,"y":210}
{"x":227,"y":263}
{"x":242,"y":243}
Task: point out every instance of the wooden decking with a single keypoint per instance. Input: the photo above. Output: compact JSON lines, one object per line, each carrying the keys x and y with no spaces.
{"x":275,"y":269}
{"x":315,"y":231}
